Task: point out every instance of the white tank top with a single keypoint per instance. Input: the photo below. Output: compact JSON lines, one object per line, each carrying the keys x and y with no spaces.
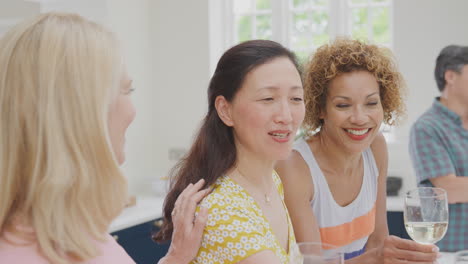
{"x":347,"y":227}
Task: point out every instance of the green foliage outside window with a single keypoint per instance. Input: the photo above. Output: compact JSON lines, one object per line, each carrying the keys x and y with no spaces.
{"x":310,"y":28}
{"x":244,"y":24}
{"x":359,"y":18}
{"x":263,"y":4}
{"x":380,"y":25}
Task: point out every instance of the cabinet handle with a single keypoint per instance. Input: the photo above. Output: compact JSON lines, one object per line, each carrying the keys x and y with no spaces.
{"x":158,"y":223}
{"x":116,"y":237}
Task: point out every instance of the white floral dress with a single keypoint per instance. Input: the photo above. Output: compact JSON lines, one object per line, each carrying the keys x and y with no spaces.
{"x":237,"y":228}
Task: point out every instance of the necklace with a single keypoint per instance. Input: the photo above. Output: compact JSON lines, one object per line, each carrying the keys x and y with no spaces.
{"x":266,"y":197}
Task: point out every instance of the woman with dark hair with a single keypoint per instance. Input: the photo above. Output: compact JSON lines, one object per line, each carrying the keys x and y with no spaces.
{"x":255,"y":108}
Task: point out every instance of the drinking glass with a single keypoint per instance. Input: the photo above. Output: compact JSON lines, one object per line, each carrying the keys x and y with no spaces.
{"x":461,"y":257}
{"x":426,"y":214}
{"x":320,"y":253}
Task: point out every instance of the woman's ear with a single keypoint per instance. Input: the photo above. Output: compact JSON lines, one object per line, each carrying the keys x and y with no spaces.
{"x":223,"y":107}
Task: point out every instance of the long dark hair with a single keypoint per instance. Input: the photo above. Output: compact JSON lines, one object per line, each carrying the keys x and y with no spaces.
{"x":213,"y":152}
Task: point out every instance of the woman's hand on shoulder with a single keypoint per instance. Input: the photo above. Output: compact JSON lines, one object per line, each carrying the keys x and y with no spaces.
{"x":188,"y":229}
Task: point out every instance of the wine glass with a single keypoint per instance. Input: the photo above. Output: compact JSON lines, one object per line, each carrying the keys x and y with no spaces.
{"x":426,"y":214}
{"x":320,"y":253}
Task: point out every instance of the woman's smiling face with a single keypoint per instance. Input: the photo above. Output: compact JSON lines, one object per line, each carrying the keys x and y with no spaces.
{"x":353,"y":112}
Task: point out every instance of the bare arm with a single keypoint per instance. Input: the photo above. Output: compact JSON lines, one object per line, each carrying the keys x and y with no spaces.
{"x":442,"y":171}
{"x":379,"y":150}
{"x":187,"y":235}
{"x":381,"y":248}
{"x":299,"y":190}
{"x":377,"y":238}
{"x":456,"y":187}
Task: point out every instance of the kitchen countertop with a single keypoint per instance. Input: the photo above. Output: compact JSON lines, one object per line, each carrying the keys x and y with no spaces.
{"x":147,"y":208}
{"x":395,"y":203}
{"x":447,"y":258}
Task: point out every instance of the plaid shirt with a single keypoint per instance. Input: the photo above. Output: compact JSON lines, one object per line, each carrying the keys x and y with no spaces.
{"x":439,"y":146}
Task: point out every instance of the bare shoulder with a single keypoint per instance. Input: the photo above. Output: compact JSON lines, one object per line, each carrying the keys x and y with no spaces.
{"x":379,"y":150}
{"x":294,"y":167}
{"x":295,"y":176}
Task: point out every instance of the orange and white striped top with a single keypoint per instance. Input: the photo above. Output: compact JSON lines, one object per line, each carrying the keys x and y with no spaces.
{"x":350,"y":226}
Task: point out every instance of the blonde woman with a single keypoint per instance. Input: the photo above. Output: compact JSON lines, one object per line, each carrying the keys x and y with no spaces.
{"x":64,"y":109}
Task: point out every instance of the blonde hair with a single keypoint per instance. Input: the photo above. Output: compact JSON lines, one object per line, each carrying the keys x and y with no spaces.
{"x":345,"y":55}
{"x":59,"y":74}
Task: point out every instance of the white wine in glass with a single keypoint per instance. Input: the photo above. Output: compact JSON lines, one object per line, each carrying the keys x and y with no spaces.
{"x":426,"y":232}
{"x":426,"y":214}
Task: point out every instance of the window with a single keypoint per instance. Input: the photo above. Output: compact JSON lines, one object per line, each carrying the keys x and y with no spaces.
{"x":303,"y":25}
{"x":252,"y":19}
{"x":370,"y":20}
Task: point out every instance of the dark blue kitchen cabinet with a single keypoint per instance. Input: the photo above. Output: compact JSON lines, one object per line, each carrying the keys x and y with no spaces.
{"x":137,"y":242}
{"x":396,"y":225}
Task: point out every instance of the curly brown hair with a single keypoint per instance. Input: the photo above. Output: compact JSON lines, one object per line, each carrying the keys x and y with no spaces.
{"x":344,"y":56}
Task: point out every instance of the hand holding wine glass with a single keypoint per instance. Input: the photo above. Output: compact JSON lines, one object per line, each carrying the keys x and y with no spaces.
{"x":426,"y":214}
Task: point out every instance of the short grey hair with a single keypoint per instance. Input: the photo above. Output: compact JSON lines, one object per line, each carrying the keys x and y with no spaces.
{"x":452,"y":57}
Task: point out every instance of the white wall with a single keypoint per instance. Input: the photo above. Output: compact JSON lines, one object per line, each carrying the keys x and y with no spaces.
{"x":180,"y":46}
{"x":130,"y":20}
{"x":422,"y":28}
{"x":167,"y":51}
{"x":13,"y":11}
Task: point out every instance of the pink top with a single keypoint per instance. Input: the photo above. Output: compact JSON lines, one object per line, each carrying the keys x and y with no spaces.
{"x":111,"y":252}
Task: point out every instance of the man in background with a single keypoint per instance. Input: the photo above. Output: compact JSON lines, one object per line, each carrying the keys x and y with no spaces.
{"x":439,"y":143}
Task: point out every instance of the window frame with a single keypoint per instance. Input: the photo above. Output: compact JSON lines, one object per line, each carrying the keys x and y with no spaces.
{"x":222,"y":29}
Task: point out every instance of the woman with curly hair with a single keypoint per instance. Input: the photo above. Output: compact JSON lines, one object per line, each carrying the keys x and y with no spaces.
{"x":335,"y":178}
